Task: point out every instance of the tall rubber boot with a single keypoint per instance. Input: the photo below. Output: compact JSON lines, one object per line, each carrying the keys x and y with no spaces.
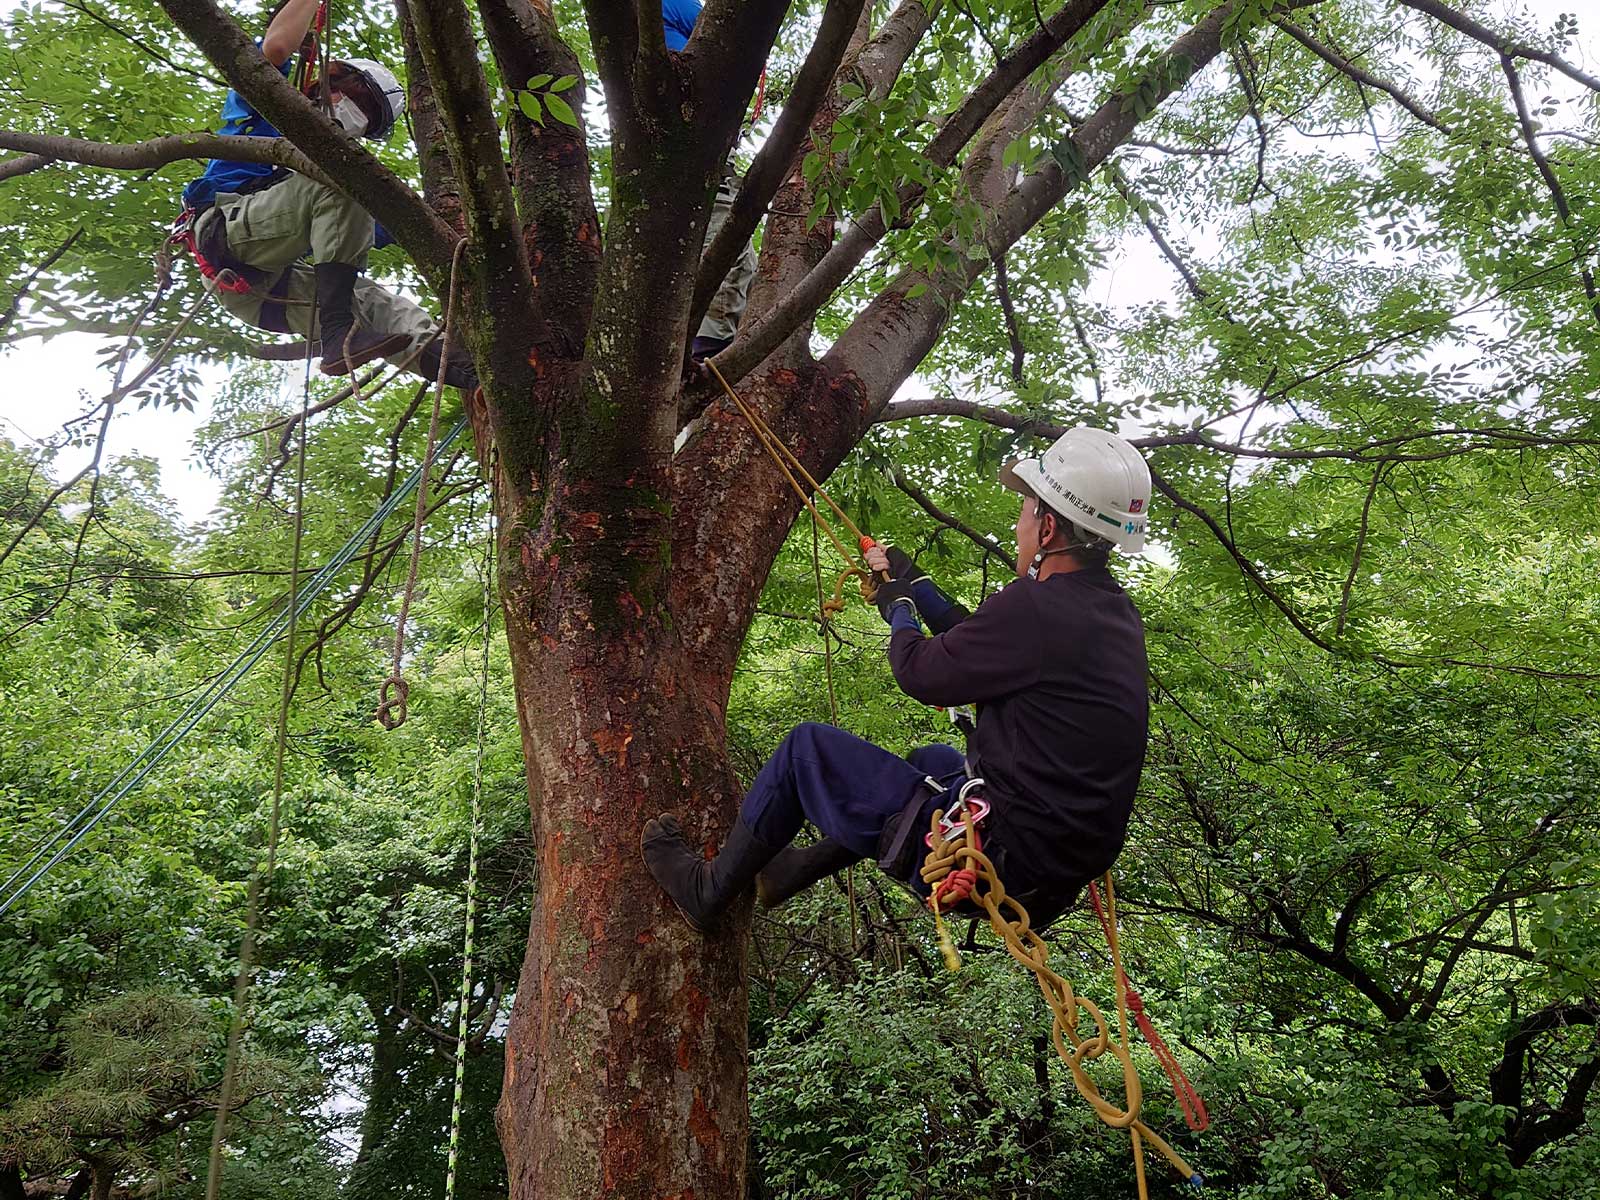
{"x":702,"y":890}
{"x":458,"y":369}
{"x":345,"y":346}
{"x":795,"y":868}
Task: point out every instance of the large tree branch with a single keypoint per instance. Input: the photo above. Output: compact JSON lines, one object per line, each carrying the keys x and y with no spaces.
{"x":440,"y":187}
{"x":864,"y":232}
{"x":1500,"y":43}
{"x":773,"y":160}
{"x":1377,"y":450}
{"x":413,"y":224}
{"x":1366,"y":78}
{"x":24,"y":164}
{"x":445,"y":37}
{"x":1548,"y":174}
{"x":550,"y":164}
{"x":156,"y":152}
{"x":879,"y":63}
{"x":1569,"y":1114}
{"x":505,"y":318}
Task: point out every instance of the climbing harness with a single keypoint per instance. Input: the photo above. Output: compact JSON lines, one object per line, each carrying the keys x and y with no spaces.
{"x":395,"y":693}
{"x":472,"y":841}
{"x":222,"y":277}
{"x":957,"y":870}
{"x":261,"y":876}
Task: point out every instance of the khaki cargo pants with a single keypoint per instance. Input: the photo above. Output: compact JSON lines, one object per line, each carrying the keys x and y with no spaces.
{"x":274,"y":229}
{"x":727,"y":306}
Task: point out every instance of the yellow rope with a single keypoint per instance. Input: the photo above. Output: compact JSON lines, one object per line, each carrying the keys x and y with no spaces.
{"x":1066,"y":1006}
{"x":789,"y":465}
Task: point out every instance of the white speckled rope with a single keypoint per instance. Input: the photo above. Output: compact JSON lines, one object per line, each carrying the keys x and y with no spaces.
{"x":472,"y":842}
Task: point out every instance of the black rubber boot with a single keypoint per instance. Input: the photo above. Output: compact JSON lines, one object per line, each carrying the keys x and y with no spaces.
{"x":702,"y":890}
{"x":458,"y":370}
{"x":345,"y":346}
{"x":795,"y":868}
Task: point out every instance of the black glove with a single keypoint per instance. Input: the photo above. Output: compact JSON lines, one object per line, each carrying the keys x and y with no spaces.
{"x":940,"y":612}
{"x":892,"y":593}
{"x":901,"y":566}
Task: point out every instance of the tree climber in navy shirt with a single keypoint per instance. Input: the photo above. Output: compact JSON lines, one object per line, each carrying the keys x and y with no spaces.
{"x":1055,"y":662}
{"x":260,"y":222}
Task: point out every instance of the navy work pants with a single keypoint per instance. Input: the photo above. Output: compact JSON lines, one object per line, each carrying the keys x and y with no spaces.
{"x":848,"y":788}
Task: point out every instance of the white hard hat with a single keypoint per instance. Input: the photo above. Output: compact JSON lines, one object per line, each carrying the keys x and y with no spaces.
{"x":1094,"y":479}
{"x":386,"y":90}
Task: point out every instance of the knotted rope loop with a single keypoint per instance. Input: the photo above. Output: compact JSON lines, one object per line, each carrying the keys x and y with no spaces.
{"x":393,"y":699}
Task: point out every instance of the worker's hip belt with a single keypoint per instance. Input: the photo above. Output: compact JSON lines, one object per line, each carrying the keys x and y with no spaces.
{"x":903,"y":840}
{"x":203,"y":232}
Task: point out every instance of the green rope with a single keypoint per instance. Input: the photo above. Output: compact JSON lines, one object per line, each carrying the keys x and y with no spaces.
{"x":472,"y":842}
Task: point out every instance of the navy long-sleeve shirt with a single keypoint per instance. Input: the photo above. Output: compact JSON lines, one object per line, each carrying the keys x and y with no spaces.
{"x":1057,"y":669}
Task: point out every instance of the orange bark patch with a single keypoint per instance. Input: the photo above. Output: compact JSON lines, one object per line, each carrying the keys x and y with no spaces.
{"x":695,"y":1007}
{"x":614,"y":743}
{"x":704,"y":1126}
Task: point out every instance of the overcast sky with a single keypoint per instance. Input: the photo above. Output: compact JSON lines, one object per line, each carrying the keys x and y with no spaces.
{"x":49,"y":383}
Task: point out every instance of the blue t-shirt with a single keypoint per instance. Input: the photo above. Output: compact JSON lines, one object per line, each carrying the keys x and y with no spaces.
{"x":679,"y":17}
{"x":221,"y":175}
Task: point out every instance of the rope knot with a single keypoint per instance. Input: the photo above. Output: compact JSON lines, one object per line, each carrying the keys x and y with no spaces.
{"x":955,"y":887}
{"x":392,"y":700}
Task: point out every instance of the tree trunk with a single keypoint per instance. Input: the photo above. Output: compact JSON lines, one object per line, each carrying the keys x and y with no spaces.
{"x":11,"y":1182}
{"x":385,"y":1095}
{"x":625,"y":1058}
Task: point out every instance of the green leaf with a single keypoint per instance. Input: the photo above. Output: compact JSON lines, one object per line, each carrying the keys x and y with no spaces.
{"x":539,"y":81}
{"x":561,"y":110}
{"x":528,"y":102}
{"x":563,"y":83}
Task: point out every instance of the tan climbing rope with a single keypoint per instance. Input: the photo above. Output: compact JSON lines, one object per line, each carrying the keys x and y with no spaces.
{"x":395,"y":694}
{"x":790,"y":466}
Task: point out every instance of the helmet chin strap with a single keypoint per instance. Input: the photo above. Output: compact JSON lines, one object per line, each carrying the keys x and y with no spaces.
{"x":1038,"y":559}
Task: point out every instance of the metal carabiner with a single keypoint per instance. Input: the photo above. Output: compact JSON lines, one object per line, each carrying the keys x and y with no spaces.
{"x":952,"y":824}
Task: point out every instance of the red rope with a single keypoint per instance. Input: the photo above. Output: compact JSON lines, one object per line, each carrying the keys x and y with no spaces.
{"x":761,"y":98}
{"x":957,"y":886}
{"x":1194,"y":1108}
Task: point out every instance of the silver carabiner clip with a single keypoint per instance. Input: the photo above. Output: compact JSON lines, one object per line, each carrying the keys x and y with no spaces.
{"x":951,"y":824}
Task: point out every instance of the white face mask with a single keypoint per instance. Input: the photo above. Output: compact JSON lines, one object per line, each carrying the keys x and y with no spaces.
{"x":347,"y":113}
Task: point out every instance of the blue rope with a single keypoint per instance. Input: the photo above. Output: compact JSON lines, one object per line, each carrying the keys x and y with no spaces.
{"x":147,"y":759}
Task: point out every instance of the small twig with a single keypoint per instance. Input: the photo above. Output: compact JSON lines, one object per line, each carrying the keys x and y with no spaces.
{"x":945,"y":519}
{"x":1002,"y":287}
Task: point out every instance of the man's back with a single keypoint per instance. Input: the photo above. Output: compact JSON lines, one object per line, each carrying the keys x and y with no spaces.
{"x":1058,"y":669}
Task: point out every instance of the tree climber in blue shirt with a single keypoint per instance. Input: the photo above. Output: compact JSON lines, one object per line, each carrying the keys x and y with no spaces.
{"x":721,"y":322}
{"x":260,"y":222}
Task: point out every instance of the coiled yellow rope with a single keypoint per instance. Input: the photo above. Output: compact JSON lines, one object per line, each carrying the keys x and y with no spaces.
{"x":1012,"y":926}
